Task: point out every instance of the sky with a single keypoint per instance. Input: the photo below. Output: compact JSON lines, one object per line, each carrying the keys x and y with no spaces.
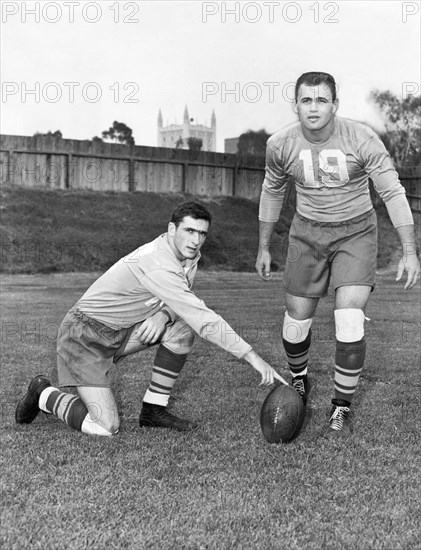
{"x":76,"y":66}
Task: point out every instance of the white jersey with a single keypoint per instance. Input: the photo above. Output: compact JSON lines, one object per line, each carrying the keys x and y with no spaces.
{"x":331,"y":178}
{"x":152,"y":278}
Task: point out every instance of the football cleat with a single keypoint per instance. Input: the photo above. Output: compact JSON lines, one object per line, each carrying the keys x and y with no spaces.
{"x":301,"y":384}
{"x":27,"y":408}
{"x":339,"y":422}
{"x":157,"y":416}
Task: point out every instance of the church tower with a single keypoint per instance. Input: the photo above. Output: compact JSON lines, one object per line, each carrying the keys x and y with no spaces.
{"x":173,"y":135}
{"x":186,"y":128}
{"x":213,"y":126}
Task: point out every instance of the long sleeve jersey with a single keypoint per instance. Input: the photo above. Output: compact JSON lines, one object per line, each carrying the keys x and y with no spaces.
{"x":149,"y":279}
{"x":331,"y":178}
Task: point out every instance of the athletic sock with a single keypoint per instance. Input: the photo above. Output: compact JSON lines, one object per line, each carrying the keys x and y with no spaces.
{"x":67,"y":407}
{"x":297,"y":355}
{"x":349,"y":361}
{"x":167,"y":367}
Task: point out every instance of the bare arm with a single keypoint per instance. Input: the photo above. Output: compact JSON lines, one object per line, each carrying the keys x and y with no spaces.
{"x":409,"y":261}
{"x":263,"y":254}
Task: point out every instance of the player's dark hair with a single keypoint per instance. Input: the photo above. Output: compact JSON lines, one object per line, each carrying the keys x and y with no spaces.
{"x":192,"y":209}
{"x":315,"y":79}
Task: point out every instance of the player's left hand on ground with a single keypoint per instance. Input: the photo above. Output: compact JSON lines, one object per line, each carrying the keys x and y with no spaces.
{"x":152,"y":328}
{"x":411,"y":265}
{"x":267,"y":372}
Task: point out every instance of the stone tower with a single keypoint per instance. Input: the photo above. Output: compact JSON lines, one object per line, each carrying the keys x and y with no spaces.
{"x":176,"y":135}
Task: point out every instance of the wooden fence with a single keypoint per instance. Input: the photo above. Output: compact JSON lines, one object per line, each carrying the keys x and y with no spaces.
{"x":72,"y":164}
{"x":41,"y":161}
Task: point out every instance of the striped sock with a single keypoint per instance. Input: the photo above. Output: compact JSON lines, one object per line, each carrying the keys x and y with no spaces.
{"x":297,"y":355}
{"x":65,"y":406}
{"x":167,"y":367}
{"x":349,"y":362}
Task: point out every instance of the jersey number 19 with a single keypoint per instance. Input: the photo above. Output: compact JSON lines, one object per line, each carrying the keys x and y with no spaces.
{"x":332,"y":165}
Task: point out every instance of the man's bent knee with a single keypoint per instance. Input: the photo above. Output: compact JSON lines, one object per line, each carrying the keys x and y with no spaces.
{"x":102,"y":417}
{"x":92,"y":427}
{"x":179,"y":337}
{"x":299,"y":307}
{"x":295,"y":331}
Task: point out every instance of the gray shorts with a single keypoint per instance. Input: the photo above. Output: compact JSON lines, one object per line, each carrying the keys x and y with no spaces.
{"x":87,"y":349}
{"x":341,"y":253}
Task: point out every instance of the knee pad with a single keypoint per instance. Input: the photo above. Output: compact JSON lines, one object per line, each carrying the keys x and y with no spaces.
{"x":90,"y":427}
{"x":179,"y":337}
{"x":349,"y":324}
{"x":295,"y":331}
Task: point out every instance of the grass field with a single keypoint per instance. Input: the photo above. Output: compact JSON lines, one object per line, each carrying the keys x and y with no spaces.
{"x":222,"y":487}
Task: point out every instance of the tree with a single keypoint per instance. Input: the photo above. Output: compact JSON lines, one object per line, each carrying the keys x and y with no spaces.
{"x":194,"y":144}
{"x":179,"y":143}
{"x":97,"y":139}
{"x":56,"y":134}
{"x":402,"y":119}
{"x":252,"y":143}
{"x":119,"y":133}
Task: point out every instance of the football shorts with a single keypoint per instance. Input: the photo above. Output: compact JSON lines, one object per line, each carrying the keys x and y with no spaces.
{"x":337,"y":253}
{"x":87,"y":349}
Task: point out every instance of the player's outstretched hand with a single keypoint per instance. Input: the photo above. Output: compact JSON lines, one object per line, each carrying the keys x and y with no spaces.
{"x":268,"y":373}
{"x":411,"y":265}
{"x":263,"y":265}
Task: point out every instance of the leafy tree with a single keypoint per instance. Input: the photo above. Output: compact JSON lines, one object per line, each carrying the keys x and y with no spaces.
{"x":119,"y":133}
{"x":252,"y":143}
{"x":179,"y":143}
{"x":97,"y":139}
{"x":402,"y":120}
{"x":56,"y":134}
{"x":194,"y":144}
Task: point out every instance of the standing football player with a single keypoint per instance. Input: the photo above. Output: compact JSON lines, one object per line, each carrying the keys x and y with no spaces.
{"x":142,"y":300}
{"x":333,"y":236}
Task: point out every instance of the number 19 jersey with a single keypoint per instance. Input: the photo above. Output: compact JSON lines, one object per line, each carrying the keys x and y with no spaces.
{"x":331,"y":177}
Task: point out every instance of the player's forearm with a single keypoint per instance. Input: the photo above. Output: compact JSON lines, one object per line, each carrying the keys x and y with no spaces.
{"x":271,"y":201}
{"x":175,"y":293}
{"x":270,"y":207}
{"x":265,"y":234}
{"x":399,"y":210}
{"x":407,"y":238}
{"x":251,"y":357}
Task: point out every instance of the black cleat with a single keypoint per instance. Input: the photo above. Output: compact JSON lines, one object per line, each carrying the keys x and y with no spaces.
{"x":27,"y":408}
{"x":302,"y":385}
{"x":156,"y":416}
{"x":339,"y":422}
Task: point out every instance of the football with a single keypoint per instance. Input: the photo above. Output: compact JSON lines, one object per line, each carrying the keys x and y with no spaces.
{"x":282,"y":415}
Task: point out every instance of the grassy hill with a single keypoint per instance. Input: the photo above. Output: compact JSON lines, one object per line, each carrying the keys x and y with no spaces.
{"x":46,"y":231}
